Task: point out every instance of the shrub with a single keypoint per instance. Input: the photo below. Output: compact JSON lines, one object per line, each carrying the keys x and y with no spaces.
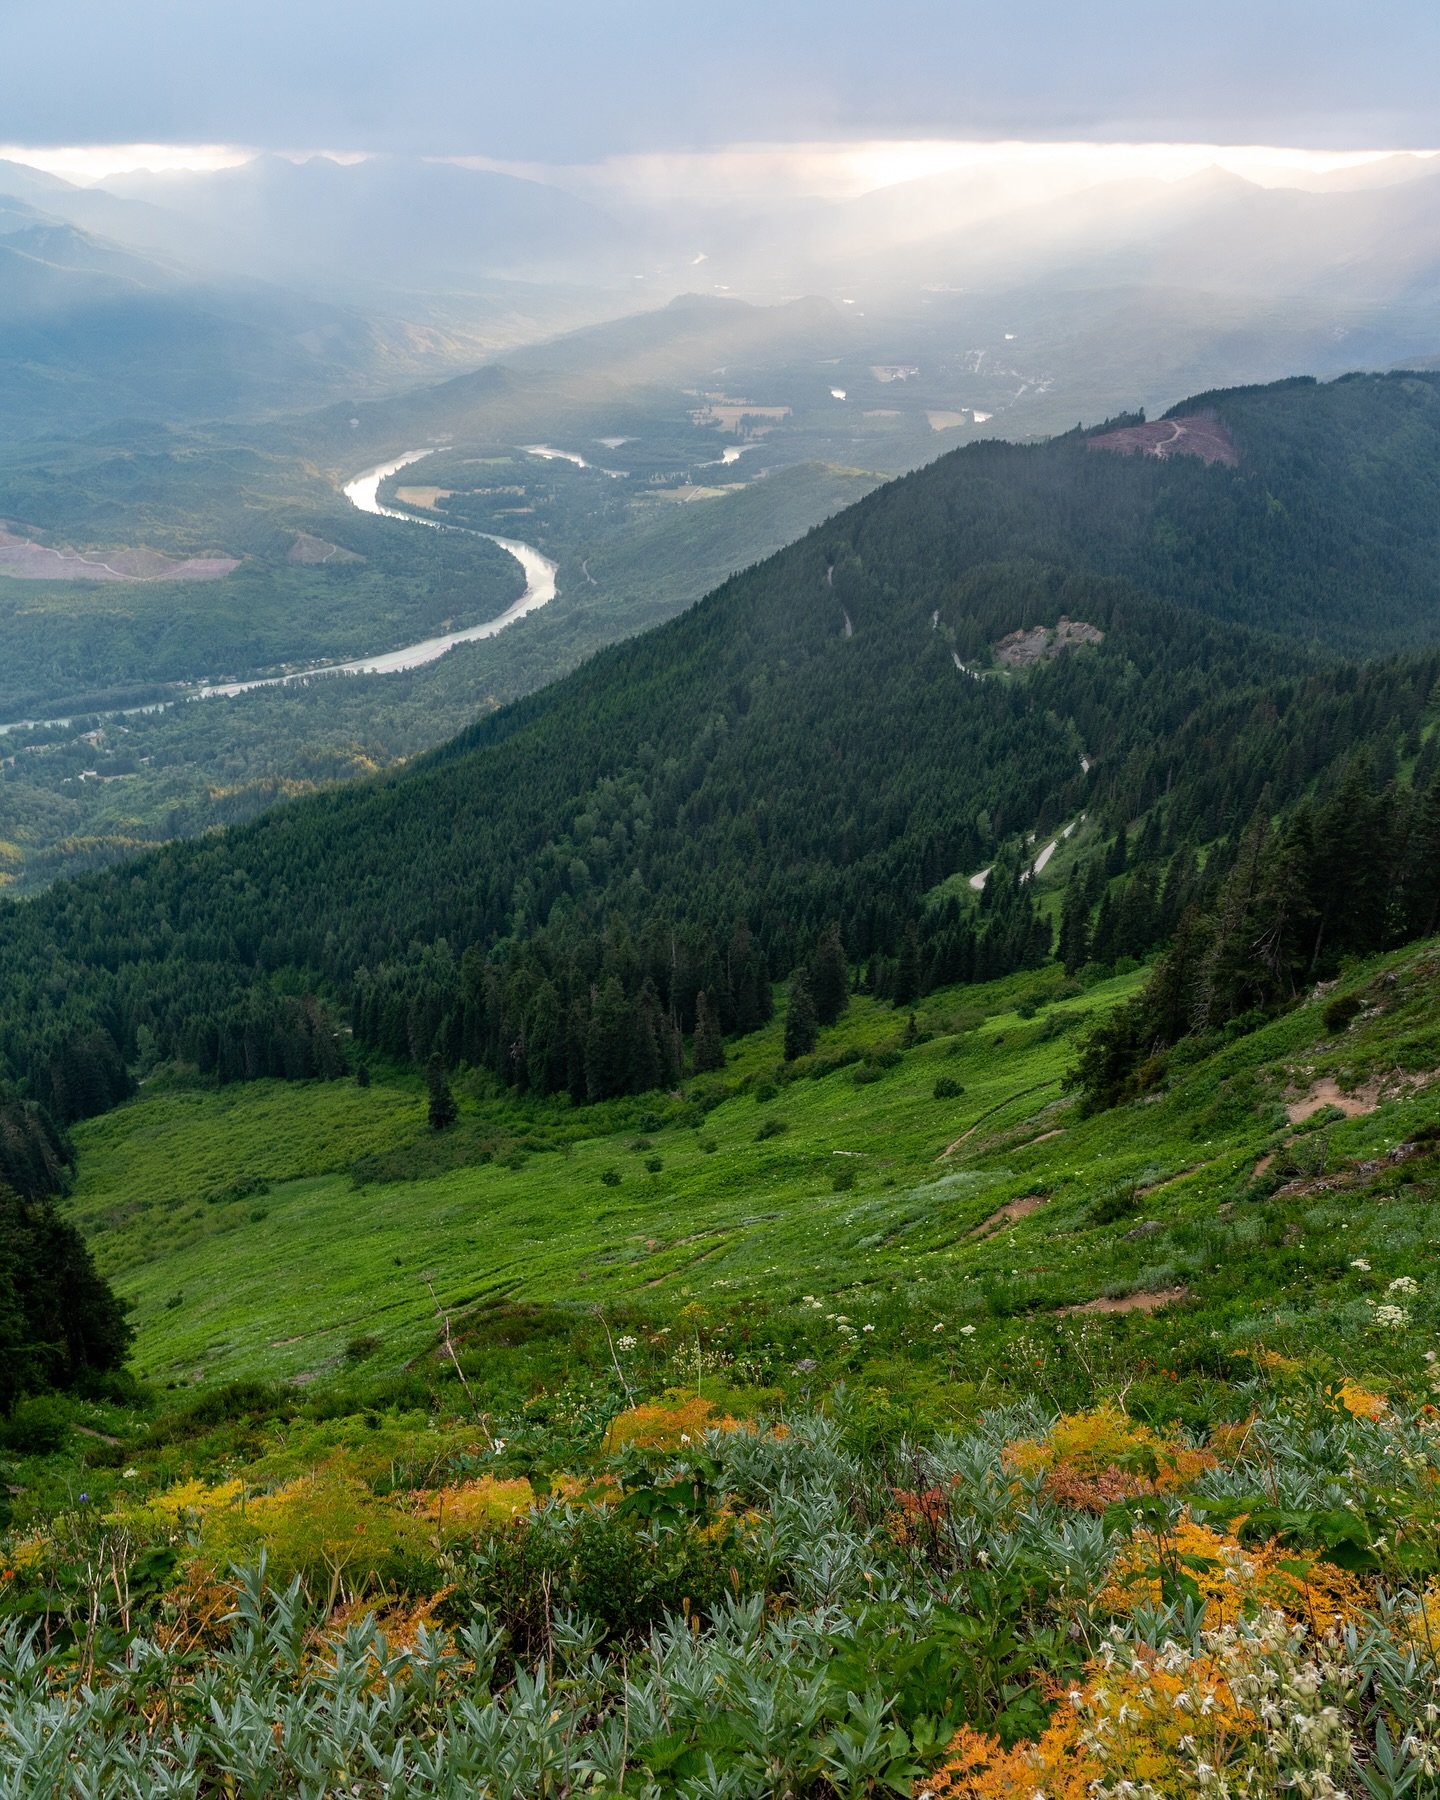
{"x":771,"y":1128}
{"x":843,"y":1180}
{"x":37,"y":1427}
{"x":948,"y":1088}
{"x":610,"y":1177}
{"x":1340,"y":1011}
{"x":1090,"y":1459}
{"x":244,"y":1189}
{"x":623,"y":1578}
{"x":654,"y":1164}
{"x":245,"y":1399}
{"x":1119,"y":1203}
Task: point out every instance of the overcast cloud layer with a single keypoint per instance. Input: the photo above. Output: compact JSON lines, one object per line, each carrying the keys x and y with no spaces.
{"x":574,"y":80}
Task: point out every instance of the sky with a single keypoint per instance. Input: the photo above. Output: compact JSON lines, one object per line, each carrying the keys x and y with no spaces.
{"x":577,"y":82}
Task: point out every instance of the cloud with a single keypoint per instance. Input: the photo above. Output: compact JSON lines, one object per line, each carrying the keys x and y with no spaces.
{"x":559,"y":81}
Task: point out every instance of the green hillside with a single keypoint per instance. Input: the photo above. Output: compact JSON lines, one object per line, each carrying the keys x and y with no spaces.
{"x":290,"y":1219}
{"x":824,"y":740}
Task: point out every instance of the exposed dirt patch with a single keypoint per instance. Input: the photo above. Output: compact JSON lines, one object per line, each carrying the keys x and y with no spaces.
{"x":1127,"y":1303}
{"x":26,"y":561}
{"x":1199,"y":434}
{"x":1008,"y":1214}
{"x":1044,"y":642}
{"x":1327,"y":1093}
{"x":1263,"y":1166}
{"x":308,"y":550}
{"x":1045,"y":1137}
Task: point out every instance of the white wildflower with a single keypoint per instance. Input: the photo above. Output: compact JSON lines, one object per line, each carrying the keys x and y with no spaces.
{"x":1359,"y":1262}
{"x":627,"y":1342}
{"x":1390,"y":1318}
{"x":1403,"y":1284}
{"x":129,"y":1474}
{"x":967,"y":1331}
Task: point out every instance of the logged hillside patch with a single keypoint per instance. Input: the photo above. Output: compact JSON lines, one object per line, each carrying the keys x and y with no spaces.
{"x":1202,"y":434}
{"x":24,"y":560}
{"x":1043,"y":642}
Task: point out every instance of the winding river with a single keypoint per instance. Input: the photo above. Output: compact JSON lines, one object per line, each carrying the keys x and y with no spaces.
{"x":364,"y":492}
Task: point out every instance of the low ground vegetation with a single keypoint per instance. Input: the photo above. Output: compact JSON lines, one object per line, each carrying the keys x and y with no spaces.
{"x":725,"y":1477}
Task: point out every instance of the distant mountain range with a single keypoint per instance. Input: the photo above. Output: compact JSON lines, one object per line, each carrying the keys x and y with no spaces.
{"x":281,"y":285}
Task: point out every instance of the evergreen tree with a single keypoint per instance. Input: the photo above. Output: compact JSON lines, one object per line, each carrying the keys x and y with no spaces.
{"x":544,"y":1045}
{"x":708,"y":1049}
{"x":58,"y":1317}
{"x":802,"y":1028}
{"x":443,"y":1110}
{"x":609,"y":1045}
{"x":362,"y":1076}
{"x":830,"y":976}
{"x":1074,"y":945}
{"x":906,"y":984}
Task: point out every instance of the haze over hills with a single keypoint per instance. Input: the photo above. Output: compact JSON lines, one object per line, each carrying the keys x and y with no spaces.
{"x":415,"y":264}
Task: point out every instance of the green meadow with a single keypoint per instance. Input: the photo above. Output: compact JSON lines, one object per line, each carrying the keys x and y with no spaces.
{"x":261,"y":1230}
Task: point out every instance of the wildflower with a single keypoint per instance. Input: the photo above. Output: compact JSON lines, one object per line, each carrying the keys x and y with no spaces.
{"x":1359,"y":1262}
{"x":871,"y":1328}
{"x":627,"y":1342}
{"x":499,"y":1445}
{"x":1403,"y":1284}
{"x":939,"y":1327}
{"x":967,"y":1331}
{"x":807,"y":1365}
{"x":1390,"y":1318}
{"x":129,"y":1474}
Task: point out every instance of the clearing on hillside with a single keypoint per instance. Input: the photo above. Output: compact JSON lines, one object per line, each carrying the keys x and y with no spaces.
{"x":1200,"y":434}
{"x":28,"y":561}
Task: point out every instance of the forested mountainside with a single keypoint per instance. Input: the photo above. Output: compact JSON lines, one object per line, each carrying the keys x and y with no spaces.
{"x":824,"y":740}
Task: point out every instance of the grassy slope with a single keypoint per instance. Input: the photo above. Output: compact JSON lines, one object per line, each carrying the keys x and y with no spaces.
{"x":277,"y":1283}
